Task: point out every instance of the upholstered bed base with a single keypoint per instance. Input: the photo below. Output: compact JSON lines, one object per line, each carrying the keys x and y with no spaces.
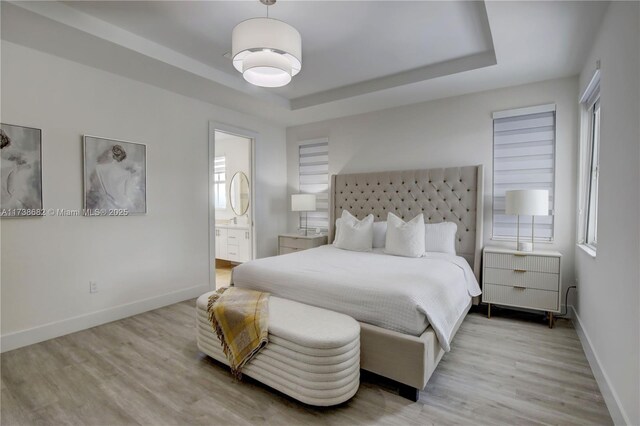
{"x":409,"y":360}
{"x":453,"y":194}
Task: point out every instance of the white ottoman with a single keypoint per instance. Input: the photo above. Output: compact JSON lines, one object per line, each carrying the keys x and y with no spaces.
{"x":313,"y":354}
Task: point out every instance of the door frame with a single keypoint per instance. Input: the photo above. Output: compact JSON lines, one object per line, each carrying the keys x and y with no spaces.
{"x":253,"y":137}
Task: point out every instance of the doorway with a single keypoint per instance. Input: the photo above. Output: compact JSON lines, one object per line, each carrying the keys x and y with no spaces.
{"x":231,"y":217}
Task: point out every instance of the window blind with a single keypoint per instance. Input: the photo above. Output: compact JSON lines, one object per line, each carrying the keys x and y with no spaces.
{"x":523,"y":158}
{"x":313,"y":170}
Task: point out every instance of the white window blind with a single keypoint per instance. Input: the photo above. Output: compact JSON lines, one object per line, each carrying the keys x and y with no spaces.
{"x":313,"y":171}
{"x":523,"y":158}
{"x":219,"y":181}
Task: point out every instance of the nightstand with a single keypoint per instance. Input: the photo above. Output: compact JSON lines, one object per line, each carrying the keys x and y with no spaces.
{"x":522,"y":279}
{"x":291,"y":243}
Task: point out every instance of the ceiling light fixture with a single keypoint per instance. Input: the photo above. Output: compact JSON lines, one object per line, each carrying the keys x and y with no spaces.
{"x":266,"y":51}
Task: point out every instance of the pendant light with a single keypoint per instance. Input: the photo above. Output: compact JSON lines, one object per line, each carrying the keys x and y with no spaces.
{"x":266,"y":51}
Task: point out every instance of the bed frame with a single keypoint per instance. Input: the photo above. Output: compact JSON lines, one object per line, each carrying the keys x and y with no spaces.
{"x":453,"y":194}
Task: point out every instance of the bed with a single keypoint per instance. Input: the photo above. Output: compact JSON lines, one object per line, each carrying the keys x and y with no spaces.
{"x":409,"y":309}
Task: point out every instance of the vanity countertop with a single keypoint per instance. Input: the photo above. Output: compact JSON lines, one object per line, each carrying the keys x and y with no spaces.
{"x":232,"y":226}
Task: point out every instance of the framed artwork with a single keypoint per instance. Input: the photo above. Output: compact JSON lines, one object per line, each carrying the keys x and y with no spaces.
{"x":115,"y":177}
{"x":21,"y":170}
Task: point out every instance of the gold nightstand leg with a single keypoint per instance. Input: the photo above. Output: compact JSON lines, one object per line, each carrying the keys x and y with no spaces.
{"x":489,"y":311}
{"x":550,"y":319}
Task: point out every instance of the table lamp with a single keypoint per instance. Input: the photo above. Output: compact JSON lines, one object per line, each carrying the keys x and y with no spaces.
{"x":303,"y":203}
{"x":531,"y":202}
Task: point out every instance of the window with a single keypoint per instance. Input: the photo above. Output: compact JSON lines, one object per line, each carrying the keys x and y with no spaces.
{"x":591,"y":163}
{"x":523,"y":158}
{"x":591,"y":236}
{"x":313,"y":172}
{"x":219,"y":183}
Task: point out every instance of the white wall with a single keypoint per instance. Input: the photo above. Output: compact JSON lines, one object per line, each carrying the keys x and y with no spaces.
{"x":47,"y":262}
{"x":609,"y":284}
{"x":451,"y":132}
{"x":237,"y":153}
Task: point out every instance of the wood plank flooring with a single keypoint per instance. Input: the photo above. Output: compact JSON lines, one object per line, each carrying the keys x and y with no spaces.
{"x":223,"y":276}
{"x":146,"y":369}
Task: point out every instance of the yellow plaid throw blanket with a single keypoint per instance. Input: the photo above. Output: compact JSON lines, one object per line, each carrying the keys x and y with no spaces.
{"x":240,"y":319}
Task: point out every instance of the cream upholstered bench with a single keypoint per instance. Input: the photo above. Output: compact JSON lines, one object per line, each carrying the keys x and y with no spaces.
{"x":313,"y":354}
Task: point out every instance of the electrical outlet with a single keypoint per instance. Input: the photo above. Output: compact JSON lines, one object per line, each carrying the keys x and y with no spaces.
{"x":93,"y":287}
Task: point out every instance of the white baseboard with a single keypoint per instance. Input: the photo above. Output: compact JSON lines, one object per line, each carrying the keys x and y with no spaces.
{"x":609,"y":394}
{"x":48,"y":331}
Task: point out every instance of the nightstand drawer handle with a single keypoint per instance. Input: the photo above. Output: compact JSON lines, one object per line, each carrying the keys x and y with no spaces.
{"x":520,"y":254}
{"x":518,"y":287}
{"x":519,"y":270}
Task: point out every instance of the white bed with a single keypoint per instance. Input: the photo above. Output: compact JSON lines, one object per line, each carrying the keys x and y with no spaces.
{"x":396,"y":293}
{"x":408,"y":309}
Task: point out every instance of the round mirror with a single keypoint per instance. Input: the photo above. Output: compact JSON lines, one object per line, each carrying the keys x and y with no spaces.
{"x":239,"y":193}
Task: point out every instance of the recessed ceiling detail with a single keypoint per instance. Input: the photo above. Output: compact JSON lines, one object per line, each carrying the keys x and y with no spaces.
{"x":359,"y":56}
{"x":350,"y":48}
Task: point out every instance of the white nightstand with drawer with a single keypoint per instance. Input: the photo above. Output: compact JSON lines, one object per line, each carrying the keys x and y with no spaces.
{"x":291,"y":243}
{"x":529,"y":280}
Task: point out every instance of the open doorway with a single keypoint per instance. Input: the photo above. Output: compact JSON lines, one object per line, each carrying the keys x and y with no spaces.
{"x":231,"y":224}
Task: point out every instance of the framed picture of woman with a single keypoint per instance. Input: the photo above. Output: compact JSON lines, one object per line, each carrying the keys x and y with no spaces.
{"x":21,"y":170}
{"x":115,"y":177}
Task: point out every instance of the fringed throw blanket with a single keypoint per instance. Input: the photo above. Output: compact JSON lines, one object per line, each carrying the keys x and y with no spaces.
{"x":240,"y":319}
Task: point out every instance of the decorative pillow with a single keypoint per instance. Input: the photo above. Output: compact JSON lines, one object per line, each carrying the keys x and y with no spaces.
{"x":379,"y":234}
{"x":405,"y":238}
{"x":353,"y":234}
{"x":338,"y":225}
{"x":441,"y":237}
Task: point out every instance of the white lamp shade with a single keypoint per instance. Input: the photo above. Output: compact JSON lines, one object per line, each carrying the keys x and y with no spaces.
{"x":533,"y":202}
{"x":266,"y":69}
{"x":279,"y":46}
{"x":303,"y":202}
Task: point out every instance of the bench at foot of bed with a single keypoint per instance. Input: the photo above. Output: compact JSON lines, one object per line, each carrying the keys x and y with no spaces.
{"x":313,"y":354}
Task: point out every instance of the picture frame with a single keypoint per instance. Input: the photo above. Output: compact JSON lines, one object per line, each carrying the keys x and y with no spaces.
{"x":21,"y":171}
{"x":114,"y":176}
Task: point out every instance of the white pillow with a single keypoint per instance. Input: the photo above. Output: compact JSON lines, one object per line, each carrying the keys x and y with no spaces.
{"x":353,"y":234}
{"x":405,"y":238}
{"x":379,"y":234}
{"x":376,"y":232}
{"x":338,"y":225}
{"x":440,"y":237}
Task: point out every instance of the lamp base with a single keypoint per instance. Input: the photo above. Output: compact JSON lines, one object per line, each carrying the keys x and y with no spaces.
{"x":525,"y":246}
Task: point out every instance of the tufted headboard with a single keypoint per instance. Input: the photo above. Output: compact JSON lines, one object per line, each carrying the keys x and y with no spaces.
{"x":453,"y":194}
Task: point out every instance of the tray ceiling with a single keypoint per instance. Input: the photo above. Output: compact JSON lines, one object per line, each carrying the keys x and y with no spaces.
{"x":344,"y":43}
{"x":358,"y":56}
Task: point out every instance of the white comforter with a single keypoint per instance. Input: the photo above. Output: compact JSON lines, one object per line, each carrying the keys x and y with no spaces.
{"x":396,"y":293}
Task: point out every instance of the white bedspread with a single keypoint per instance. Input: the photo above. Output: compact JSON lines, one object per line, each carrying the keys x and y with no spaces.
{"x":392,"y":292}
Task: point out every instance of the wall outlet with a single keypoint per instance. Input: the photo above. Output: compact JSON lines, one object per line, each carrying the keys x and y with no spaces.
{"x":93,"y":287}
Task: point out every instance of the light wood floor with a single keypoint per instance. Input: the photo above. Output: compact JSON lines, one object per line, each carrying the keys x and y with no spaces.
{"x":223,"y":273}
{"x":146,"y":369}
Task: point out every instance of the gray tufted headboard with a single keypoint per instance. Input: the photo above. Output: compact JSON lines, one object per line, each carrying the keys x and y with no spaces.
{"x":453,"y":194}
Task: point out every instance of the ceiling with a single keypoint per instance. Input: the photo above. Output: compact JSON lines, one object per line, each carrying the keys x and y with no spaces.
{"x":344,"y":43}
{"x":358,"y":56}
